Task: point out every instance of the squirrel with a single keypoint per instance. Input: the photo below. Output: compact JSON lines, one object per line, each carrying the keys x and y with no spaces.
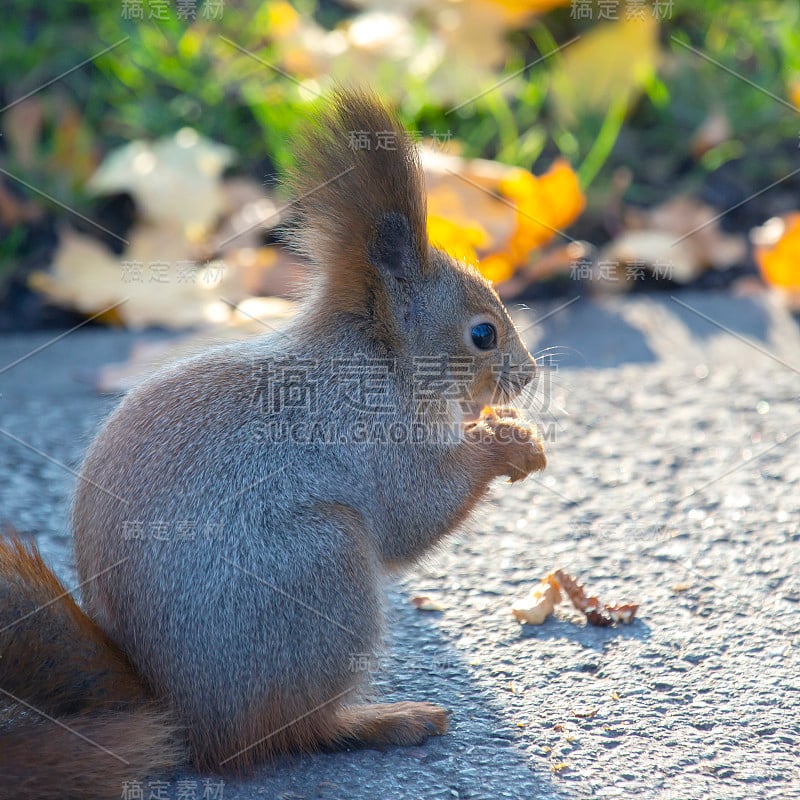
{"x":236,"y":517}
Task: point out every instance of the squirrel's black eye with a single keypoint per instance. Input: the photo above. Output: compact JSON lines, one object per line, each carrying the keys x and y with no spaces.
{"x":484,"y":336}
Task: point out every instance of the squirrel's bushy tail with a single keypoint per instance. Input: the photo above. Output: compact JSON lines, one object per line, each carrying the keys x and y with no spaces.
{"x":75,"y":721}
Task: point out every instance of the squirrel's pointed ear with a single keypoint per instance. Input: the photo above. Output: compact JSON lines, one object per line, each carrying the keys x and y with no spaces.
{"x":393,"y":248}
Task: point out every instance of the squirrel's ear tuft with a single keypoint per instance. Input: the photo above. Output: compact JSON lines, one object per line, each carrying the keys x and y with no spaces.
{"x":392,"y":247}
{"x":360,"y":211}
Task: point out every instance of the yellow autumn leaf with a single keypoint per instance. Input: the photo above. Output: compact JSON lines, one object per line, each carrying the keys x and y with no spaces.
{"x":282,"y":19}
{"x":468,"y":220}
{"x":780,"y":262}
{"x":610,"y":61}
{"x":497,"y":267}
{"x":794,"y":92}
{"x":460,"y":238}
{"x":544,"y":204}
{"x":519,"y":10}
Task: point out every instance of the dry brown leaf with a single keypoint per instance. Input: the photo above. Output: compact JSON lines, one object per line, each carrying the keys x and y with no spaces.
{"x":543,"y":598}
{"x":596,"y":614}
{"x":678,"y":240}
{"x":657,"y":251}
{"x":686,"y":216}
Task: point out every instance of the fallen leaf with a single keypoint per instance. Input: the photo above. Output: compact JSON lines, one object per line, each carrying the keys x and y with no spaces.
{"x":425,"y":603}
{"x":609,"y":61}
{"x":595,"y":613}
{"x":486,"y":212}
{"x":545,"y":204}
{"x":546,"y":595}
{"x":625,"y":259}
{"x":156,"y":282}
{"x":539,"y":604}
{"x":677,"y":240}
{"x":698,"y":225}
{"x":777,"y":253}
{"x":460,"y":238}
{"x":174,"y":179}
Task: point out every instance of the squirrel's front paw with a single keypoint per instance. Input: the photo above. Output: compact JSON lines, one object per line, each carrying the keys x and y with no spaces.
{"x":515,"y":443}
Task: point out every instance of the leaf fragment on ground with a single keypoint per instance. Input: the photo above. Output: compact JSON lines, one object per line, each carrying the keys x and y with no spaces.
{"x":424,"y":603}
{"x":539,"y":604}
{"x":543,"y":598}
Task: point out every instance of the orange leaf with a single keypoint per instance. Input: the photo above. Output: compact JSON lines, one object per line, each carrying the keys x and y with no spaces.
{"x":461,"y":239}
{"x":794,"y":92}
{"x":497,"y":267}
{"x":780,"y":262}
{"x":519,"y":10}
{"x":467,"y":219}
{"x":545,"y":205}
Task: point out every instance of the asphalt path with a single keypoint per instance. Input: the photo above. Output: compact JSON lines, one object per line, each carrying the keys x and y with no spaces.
{"x":673,"y":428}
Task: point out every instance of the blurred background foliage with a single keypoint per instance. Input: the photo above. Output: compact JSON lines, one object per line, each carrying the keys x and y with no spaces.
{"x":170,"y":72}
{"x":633,"y":85}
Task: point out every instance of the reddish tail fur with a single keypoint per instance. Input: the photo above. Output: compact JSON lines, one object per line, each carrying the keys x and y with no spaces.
{"x":75,"y":721}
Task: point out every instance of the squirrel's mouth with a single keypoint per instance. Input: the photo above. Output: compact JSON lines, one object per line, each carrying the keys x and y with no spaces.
{"x":504,"y":390}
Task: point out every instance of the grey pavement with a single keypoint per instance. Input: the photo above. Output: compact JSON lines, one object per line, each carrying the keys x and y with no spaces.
{"x":673,"y":481}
